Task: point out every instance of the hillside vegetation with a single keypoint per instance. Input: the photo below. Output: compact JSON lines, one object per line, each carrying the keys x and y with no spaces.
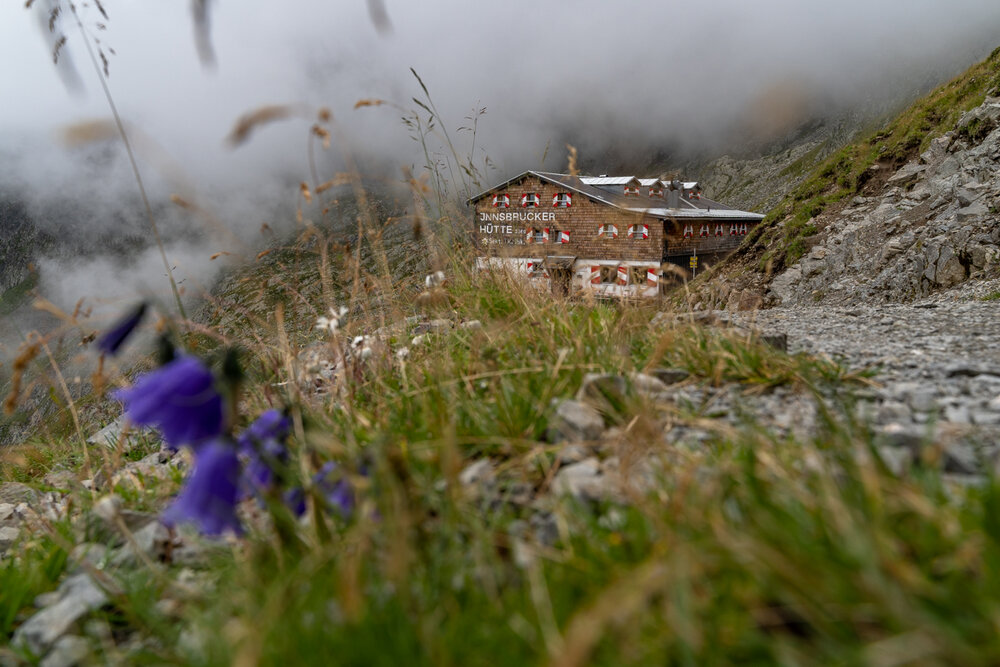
{"x":430,"y":465}
{"x":863,"y":166}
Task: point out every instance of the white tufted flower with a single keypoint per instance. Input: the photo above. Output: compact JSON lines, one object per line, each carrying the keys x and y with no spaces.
{"x":338,"y":316}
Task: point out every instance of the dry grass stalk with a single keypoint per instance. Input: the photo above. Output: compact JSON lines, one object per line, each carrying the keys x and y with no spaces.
{"x":369,"y":102}
{"x":323,"y":134}
{"x":27,"y":352}
{"x":304,"y":190}
{"x":379,"y":16}
{"x":338,"y":179}
{"x":249,"y":122}
{"x":572,"y":168}
{"x":88,"y":132}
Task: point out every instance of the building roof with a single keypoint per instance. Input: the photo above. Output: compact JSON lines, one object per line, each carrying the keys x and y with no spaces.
{"x":607,"y":180}
{"x":642,"y":203}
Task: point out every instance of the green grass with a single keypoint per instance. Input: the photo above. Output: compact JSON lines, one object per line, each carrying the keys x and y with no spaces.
{"x":14,"y":297}
{"x":753,"y":547}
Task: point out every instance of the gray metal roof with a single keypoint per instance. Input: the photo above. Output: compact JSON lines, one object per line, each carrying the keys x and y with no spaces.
{"x":607,"y":180}
{"x":654,"y":206}
{"x":647,"y":182}
{"x":715,"y":214}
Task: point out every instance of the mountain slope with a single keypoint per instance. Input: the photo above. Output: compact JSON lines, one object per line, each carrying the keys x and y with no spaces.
{"x":867,"y":172}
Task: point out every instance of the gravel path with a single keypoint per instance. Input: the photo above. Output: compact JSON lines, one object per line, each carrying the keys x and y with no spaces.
{"x":936,"y":363}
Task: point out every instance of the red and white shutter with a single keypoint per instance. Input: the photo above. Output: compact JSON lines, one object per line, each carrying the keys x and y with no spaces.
{"x":733,"y":229}
{"x":718,"y":230}
{"x":631,"y":231}
{"x":562,"y":199}
{"x":545,"y":235}
{"x":563,"y":237}
{"x":623,"y":275}
{"x":501,"y":201}
{"x":703,"y":231}
{"x":645,"y":231}
{"x":529,"y":235}
{"x":613,"y":231}
{"x":595,"y":275}
{"x":600,"y":231}
{"x":651,"y":278}
{"x":743,"y":229}
{"x":524,"y":200}
{"x":688,"y":231}
{"x":531,"y":267}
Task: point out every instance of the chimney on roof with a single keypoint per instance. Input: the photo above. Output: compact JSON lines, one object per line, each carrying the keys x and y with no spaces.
{"x":674,"y":194}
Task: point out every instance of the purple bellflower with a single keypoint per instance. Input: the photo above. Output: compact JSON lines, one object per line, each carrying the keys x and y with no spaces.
{"x":111,"y":340}
{"x":263,"y":445}
{"x":210,"y":495}
{"x":338,"y":493}
{"x":180,"y":399}
{"x":334,"y":493}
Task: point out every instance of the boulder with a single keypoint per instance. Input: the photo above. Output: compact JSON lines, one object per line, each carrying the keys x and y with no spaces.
{"x":575,"y":421}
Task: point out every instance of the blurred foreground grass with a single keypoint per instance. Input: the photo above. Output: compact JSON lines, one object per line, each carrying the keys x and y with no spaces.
{"x":753,"y":547}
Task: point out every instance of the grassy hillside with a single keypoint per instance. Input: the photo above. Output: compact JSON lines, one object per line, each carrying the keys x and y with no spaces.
{"x":863,"y":166}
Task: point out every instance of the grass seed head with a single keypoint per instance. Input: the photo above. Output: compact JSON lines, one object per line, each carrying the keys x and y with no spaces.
{"x":248,"y":122}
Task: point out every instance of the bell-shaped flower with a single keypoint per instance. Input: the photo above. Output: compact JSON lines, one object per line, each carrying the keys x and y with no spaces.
{"x":111,"y":340}
{"x":180,"y":399}
{"x":335,"y":490}
{"x":263,"y":445}
{"x":210,"y":495}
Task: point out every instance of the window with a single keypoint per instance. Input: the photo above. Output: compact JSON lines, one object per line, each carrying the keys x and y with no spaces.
{"x":656,"y":192}
{"x":537,"y":235}
{"x":637,"y":275}
{"x":607,"y":230}
{"x":501,"y":201}
{"x":561,"y":236}
{"x":609,"y":274}
{"x":530,"y":200}
{"x":632,"y":190}
{"x":562,"y":200}
{"x":536,"y":269}
{"x":693,"y":194}
{"x":638,"y":231}
{"x":689,"y":231}
{"x":703,"y":231}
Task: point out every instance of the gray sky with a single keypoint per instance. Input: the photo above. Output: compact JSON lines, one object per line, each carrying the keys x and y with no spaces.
{"x":588,"y":72}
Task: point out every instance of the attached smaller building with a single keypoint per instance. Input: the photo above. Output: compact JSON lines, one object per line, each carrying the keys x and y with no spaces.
{"x":610,"y":235}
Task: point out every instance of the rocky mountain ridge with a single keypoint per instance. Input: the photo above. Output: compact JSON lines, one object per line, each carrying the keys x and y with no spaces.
{"x":933,"y":226}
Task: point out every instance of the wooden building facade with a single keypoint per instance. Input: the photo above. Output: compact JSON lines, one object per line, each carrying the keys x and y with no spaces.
{"x":609,"y":235}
